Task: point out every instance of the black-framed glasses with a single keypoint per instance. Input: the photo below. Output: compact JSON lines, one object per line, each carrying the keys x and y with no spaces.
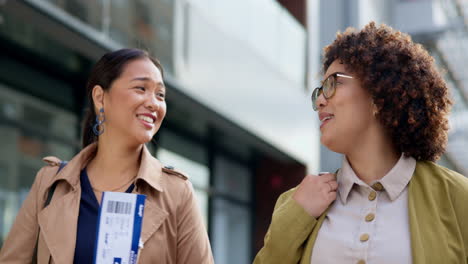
{"x":328,"y":88}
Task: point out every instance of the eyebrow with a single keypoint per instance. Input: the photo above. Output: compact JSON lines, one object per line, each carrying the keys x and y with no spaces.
{"x":146,"y":79}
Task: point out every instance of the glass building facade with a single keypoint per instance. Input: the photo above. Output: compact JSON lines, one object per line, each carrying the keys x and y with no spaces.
{"x":49,"y":46}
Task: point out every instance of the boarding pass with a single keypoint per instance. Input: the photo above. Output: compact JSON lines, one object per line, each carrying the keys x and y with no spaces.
{"x":119,"y":228}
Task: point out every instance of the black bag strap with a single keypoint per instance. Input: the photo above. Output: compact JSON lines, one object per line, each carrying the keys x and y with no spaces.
{"x":50,"y":193}
{"x":52,"y":188}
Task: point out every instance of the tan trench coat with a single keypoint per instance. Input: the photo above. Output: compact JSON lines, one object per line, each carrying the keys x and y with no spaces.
{"x":173,"y":231}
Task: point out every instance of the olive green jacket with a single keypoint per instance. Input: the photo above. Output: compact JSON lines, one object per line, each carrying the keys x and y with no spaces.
{"x":438,"y":218}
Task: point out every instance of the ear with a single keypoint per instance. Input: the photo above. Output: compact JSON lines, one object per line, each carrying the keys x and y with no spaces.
{"x":375,"y":110}
{"x":98,"y":97}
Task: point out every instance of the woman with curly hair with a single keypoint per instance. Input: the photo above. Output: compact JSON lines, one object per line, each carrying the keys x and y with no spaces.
{"x":384,"y":105}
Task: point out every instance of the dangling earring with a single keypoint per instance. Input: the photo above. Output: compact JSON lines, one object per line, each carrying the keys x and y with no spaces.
{"x":98,"y":128}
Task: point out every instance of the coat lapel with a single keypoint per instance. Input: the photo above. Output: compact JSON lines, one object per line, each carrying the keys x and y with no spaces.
{"x":151,"y":173}
{"x":153,"y":218}
{"x":58,"y":224}
{"x":307,"y":254}
{"x":428,"y":229}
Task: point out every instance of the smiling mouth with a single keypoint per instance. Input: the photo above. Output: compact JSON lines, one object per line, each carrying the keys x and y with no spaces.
{"x":147,"y":119}
{"x":324,"y":120}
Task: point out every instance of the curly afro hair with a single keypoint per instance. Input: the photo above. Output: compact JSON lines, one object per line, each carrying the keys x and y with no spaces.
{"x":409,"y":93}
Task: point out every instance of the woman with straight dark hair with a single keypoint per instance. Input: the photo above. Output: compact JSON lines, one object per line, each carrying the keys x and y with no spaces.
{"x":58,"y":220}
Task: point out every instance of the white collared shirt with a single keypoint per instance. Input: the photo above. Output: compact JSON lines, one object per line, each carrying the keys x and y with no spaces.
{"x":365,"y":225}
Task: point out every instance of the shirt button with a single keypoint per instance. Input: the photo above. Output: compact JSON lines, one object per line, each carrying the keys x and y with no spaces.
{"x":364,"y":237}
{"x":372,"y":196}
{"x":377,"y":186}
{"x":361,"y":261}
{"x":370,"y":217}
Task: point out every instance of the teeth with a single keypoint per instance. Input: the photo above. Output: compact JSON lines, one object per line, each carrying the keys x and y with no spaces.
{"x":326,"y":118}
{"x":146,"y":118}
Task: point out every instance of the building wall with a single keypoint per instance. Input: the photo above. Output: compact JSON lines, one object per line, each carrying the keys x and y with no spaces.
{"x":247,"y":60}
{"x":49,"y":48}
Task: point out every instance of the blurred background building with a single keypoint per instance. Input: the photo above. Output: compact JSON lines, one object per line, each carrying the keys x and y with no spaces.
{"x":239,"y":75}
{"x":239,"y":120}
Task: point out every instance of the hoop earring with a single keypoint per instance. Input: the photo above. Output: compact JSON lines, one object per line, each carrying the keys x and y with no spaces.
{"x":98,"y":128}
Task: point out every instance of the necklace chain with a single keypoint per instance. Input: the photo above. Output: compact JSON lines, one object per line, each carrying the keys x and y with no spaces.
{"x":118,"y":188}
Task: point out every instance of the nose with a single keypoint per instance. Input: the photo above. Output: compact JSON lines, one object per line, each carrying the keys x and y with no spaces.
{"x":321,"y":101}
{"x":151,"y":102}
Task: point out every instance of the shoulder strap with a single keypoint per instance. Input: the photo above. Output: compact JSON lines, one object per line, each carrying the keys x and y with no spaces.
{"x":52,"y":188}
{"x":63,"y":163}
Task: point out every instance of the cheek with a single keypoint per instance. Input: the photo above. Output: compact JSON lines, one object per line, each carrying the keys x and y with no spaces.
{"x":124,"y":113}
{"x":162,"y":110}
{"x":121,"y":103}
{"x":353,"y":117}
{"x":354,"y":105}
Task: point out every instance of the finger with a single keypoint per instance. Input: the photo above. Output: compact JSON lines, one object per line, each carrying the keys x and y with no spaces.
{"x":328,"y":177}
{"x":327,"y":187}
{"x":332,"y":196}
{"x":333,"y":185}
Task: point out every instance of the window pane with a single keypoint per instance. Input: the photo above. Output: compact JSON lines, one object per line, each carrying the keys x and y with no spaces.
{"x":231,"y":233}
{"x":232,"y":178}
{"x":198,"y":173}
{"x":27,"y":134}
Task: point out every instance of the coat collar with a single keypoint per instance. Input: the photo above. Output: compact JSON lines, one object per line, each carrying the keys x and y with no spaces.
{"x":150,"y":168}
{"x":71,"y":172}
{"x":58,"y":220}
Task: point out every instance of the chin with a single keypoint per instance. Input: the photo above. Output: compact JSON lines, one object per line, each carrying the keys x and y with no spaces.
{"x":326,"y":141}
{"x":143,"y":138}
{"x":332,"y":145}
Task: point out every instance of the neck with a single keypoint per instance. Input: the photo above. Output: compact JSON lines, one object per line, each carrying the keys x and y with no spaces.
{"x":374,"y":157}
{"x":114,"y":164}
